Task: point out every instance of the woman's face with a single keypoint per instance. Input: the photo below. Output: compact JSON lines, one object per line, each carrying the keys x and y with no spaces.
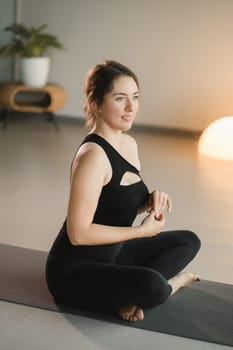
{"x":120,"y":105}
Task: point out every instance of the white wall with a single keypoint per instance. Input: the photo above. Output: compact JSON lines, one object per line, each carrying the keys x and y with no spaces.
{"x":182,"y":51}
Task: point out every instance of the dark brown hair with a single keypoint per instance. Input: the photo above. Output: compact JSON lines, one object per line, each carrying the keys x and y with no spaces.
{"x":99,"y":82}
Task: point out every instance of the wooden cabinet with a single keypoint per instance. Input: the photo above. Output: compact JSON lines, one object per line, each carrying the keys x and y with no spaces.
{"x":18,"y":97}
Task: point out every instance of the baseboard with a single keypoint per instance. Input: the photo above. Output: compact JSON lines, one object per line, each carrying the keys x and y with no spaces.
{"x":141,"y":127}
{"x":80,"y":120}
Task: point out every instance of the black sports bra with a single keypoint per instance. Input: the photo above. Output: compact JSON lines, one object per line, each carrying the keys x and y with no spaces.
{"x":118,"y":204}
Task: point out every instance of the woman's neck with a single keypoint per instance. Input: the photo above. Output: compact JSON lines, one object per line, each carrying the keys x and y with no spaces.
{"x":114,"y":137}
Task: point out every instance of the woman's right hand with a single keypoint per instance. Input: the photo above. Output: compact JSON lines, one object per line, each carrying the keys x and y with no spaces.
{"x":152,"y":226}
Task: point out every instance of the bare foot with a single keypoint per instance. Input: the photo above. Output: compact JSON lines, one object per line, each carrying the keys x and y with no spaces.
{"x":131,"y":313}
{"x":182,"y":279}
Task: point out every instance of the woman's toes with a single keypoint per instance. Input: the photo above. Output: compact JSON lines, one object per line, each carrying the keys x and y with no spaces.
{"x":132,"y":318}
{"x":131,"y":313}
{"x":139,"y":314}
{"x":127,"y":311}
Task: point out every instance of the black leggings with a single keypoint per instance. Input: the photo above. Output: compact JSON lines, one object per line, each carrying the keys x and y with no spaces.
{"x":139,"y":275}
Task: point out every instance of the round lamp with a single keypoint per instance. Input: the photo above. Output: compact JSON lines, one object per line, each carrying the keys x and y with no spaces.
{"x":216,"y":140}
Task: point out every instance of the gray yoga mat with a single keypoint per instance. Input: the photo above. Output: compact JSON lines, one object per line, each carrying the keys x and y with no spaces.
{"x":202,"y":311}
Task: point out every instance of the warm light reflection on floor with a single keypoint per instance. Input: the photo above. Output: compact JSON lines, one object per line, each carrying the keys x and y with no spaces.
{"x":217,"y":139}
{"x":216,"y":196}
{"x":216,"y":173}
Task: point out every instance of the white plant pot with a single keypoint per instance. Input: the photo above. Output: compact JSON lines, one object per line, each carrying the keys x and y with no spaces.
{"x":35,"y":70}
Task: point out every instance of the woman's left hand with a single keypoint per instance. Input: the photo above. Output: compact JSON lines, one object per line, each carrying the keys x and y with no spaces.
{"x":159,"y":201}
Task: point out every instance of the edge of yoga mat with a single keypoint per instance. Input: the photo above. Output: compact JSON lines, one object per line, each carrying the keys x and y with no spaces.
{"x":202,"y":311}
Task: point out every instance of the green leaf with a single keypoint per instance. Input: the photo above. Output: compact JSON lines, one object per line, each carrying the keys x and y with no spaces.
{"x":29,"y":41}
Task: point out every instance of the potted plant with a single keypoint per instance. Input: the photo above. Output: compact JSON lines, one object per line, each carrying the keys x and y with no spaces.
{"x":32,"y":45}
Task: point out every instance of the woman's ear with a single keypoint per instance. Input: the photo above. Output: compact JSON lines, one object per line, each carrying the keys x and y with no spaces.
{"x":95,"y":110}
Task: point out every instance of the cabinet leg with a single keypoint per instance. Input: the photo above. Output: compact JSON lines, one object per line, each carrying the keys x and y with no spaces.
{"x":5,"y":117}
{"x":52,"y":118}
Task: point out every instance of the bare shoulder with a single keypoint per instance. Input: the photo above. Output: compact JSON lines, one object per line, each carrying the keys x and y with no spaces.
{"x":92,"y":157}
{"x":92,"y":151}
{"x":130,"y":142}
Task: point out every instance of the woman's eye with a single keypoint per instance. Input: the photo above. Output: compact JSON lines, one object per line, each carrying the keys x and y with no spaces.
{"x":120,"y":98}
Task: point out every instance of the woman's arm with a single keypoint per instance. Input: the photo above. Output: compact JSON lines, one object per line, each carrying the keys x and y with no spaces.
{"x":90,"y":174}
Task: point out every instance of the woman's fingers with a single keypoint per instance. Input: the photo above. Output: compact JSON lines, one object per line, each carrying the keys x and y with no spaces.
{"x":160,"y":201}
{"x":169,"y":204}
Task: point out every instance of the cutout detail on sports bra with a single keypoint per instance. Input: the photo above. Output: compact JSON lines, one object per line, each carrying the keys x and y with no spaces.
{"x":129,"y":178}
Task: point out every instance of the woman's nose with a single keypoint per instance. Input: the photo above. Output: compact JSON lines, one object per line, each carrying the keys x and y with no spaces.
{"x":129,"y":105}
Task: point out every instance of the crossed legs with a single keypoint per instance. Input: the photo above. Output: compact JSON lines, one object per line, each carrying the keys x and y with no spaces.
{"x":145,"y":273}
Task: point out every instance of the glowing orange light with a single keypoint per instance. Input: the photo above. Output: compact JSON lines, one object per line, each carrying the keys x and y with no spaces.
{"x":216,"y":140}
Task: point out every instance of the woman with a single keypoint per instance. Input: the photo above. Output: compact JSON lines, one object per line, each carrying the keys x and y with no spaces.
{"x":99,"y":261}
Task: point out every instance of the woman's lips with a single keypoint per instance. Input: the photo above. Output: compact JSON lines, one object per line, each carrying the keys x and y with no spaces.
{"x":127,"y":117}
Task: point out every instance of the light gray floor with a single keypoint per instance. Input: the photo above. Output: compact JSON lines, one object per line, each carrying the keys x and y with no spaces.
{"x":34,"y":183}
